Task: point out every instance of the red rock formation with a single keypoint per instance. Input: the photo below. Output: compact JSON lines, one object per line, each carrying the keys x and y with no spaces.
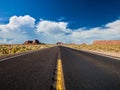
{"x":32,"y":42}
{"x":28,"y":42}
{"x":36,"y":42}
{"x":107,"y":42}
{"x":59,"y":43}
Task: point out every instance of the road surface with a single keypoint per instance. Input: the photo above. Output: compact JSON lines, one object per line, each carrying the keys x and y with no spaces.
{"x":82,"y":71}
{"x":86,"y":71}
{"x":33,"y":71}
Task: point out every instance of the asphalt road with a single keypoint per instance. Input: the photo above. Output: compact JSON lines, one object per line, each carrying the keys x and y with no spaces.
{"x":82,"y":71}
{"x":86,"y":71}
{"x":34,"y":71}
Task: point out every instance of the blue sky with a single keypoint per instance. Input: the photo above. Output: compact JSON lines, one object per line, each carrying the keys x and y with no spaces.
{"x":59,"y":20}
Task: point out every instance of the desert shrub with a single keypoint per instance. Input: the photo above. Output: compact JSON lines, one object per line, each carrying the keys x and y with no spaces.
{"x":13,"y":49}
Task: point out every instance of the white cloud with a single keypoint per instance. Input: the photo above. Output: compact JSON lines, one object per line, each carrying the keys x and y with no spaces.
{"x":58,"y":31}
{"x":51,"y":27}
{"x":22,"y":21}
{"x":21,"y":28}
{"x":110,"y":31}
{"x":52,"y":31}
{"x":17,"y":30}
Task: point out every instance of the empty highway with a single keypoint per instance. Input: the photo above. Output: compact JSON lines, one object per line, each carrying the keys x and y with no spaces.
{"x":86,"y":71}
{"x":32,"y":71}
{"x":81,"y":70}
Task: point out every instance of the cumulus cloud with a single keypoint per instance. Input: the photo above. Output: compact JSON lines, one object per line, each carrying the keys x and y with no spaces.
{"x":58,"y":31}
{"x":18,"y":29}
{"x":110,"y":31}
{"x":21,"y":28}
{"x":52,"y":31}
{"x":51,"y":27}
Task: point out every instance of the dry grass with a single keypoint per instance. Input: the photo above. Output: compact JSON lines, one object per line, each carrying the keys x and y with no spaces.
{"x":13,"y":49}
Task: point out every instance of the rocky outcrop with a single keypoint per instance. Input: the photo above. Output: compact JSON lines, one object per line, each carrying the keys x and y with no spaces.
{"x":107,"y":42}
{"x":32,"y":42}
{"x":59,"y":43}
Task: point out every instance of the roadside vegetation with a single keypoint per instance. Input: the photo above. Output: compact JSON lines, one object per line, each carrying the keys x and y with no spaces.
{"x":102,"y":48}
{"x":13,"y":49}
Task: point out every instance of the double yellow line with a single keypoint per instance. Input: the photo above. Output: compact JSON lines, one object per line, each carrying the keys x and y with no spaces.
{"x":60,"y":85}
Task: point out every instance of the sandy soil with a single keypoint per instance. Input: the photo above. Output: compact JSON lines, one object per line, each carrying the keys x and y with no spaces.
{"x":106,"y":53}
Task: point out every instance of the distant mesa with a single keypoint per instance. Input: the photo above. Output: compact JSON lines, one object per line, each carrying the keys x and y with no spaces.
{"x":106,"y":42}
{"x":59,"y":43}
{"x":34,"y":42}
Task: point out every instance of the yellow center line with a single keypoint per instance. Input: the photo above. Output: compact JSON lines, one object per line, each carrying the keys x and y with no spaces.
{"x":60,"y":79}
{"x":60,"y":85}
